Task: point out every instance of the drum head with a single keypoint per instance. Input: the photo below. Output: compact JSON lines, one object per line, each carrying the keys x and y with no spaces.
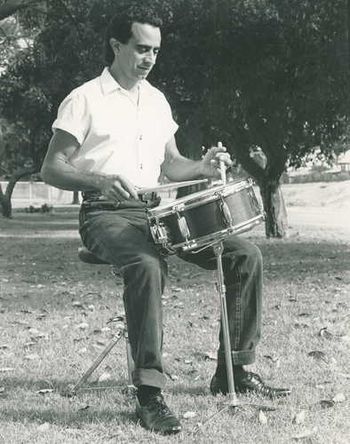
{"x":200,"y":197}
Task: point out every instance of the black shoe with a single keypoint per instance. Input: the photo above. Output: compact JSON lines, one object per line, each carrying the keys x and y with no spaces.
{"x":247,"y":382}
{"x":157,"y":417}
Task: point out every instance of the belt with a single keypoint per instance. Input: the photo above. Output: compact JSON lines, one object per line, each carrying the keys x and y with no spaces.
{"x":94,"y":199}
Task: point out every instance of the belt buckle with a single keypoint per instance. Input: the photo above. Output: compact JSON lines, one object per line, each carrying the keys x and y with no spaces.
{"x":150,"y":198}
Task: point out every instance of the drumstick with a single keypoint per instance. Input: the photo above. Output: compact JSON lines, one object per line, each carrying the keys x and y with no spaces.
{"x":222,"y":167}
{"x":171,"y":186}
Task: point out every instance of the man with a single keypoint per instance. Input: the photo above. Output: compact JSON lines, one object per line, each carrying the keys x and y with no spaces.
{"x":114,"y":135}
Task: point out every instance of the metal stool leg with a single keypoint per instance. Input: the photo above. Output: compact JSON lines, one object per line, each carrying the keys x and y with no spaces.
{"x":130,"y":361}
{"x":122,"y":332}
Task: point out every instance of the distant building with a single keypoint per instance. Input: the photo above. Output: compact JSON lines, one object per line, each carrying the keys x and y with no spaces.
{"x":344,"y":161}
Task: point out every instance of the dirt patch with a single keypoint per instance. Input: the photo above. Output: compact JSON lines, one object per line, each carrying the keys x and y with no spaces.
{"x":318,"y":194}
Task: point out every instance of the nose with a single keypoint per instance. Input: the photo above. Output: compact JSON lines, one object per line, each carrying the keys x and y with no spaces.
{"x":150,"y":58}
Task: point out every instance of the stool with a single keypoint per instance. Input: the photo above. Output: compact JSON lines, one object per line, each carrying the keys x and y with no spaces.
{"x":86,"y":256}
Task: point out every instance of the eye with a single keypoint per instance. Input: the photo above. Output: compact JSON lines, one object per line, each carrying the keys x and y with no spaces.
{"x":142,"y":49}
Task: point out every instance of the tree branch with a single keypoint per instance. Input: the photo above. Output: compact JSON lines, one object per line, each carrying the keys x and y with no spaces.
{"x":12,"y":6}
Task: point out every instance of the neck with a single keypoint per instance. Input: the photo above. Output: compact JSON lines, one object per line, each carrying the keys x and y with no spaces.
{"x":130,"y":85}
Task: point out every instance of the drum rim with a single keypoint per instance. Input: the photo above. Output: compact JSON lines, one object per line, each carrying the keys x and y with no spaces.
{"x":195,"y":199}
{"x":212,"y":238}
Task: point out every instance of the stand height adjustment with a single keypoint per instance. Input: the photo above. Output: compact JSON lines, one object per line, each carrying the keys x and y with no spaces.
{"x":221,"y":289}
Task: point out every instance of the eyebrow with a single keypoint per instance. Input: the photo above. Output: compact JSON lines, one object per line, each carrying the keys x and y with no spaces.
{"x":147,"y":47}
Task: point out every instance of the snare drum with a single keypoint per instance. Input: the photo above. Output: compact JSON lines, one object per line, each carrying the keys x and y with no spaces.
{"x":206,"y":217}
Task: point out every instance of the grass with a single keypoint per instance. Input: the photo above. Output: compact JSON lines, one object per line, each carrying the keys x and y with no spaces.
{"x":54,"y":314}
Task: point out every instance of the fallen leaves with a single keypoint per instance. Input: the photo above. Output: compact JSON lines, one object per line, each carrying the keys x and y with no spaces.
{"x":189,"y":415}
{"x":43,"y":427}
{"x":262,"y":418}
{"x":105,"y":376}
{"x":82,"y":326}
{"x":299,"y":418}
{"x":44,"y":391}
{"x":173,"y":377}
{"x":339,"y":397}
{"x":274,"y":359}
{"x":36,"y":334}
{"x":32,"y":357}
{"x":304,"y":434}
{"x":318,"y":355}
{"x":209,"y":356}
{"x":326,"y":403}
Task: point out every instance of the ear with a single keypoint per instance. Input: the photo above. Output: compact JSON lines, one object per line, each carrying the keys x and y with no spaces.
{"x":115,"y":45}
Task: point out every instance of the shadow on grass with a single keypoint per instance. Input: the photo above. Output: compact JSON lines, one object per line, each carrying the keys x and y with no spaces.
{"x":293,"y":257}
{"x":26,"y":223}
{"x":73,"y":418}
{"x":74,"y":414}
{"x":193,"y":390}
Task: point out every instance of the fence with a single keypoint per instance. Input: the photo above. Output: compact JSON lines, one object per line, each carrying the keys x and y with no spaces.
{"x":37,"y":194}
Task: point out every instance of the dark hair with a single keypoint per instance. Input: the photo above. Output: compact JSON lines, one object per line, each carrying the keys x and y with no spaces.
{"x":120,"y":26}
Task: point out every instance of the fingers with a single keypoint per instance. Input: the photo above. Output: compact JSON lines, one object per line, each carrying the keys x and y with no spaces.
{"x":221,"y":157}
{"x":218,"y":153}
{"x":118,"y":188}
{"x":128,"y":188}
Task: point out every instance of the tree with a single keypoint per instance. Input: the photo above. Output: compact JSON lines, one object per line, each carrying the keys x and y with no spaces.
{"x":12,"y":160}
{"x":16,"y":138}
{"x":10,"y":7}
{"x":267,"y":74}
{"x":264,"y":74}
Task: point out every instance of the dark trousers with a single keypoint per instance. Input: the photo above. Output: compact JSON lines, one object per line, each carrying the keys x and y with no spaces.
{"x":122,"y":237}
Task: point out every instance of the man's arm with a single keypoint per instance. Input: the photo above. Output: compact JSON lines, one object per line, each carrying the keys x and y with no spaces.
{"x":177,"y":167}
{"x":57,"y":170}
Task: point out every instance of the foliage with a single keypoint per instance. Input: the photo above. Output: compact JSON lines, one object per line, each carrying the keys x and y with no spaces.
{"x":268,"y":74}
{"x":26,"y":109}
{"x":262,"y":73}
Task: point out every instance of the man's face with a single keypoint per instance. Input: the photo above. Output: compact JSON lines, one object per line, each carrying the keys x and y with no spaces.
{"x":137,"y":57}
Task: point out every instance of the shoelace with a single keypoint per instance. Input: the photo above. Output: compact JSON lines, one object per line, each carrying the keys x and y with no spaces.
{"x":260,"y":385}
{"x":158,"y":402}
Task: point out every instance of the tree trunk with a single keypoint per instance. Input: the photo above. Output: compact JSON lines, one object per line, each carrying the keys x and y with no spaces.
{"x":75,"y":200}
{"x":6,"y":206}
{"x":5,"y":198}
{"x":276,"y":221}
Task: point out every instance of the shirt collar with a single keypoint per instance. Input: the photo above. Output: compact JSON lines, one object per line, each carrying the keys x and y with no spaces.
{"x":109,"y":84}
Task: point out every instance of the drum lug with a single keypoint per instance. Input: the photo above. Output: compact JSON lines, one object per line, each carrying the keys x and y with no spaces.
{"x":178,"y":208}
{"x":225,"y":210}
{"x":159,"y":233}
{"x":182,"y":223}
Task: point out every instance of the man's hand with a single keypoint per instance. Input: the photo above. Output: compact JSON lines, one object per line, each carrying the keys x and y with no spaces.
{"x":210,"y":164}
{"x":117,"y":188}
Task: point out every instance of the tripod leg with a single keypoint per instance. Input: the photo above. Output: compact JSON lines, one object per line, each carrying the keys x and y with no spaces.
{"x":218,"y":249}
{"x":130,"y":361}
{"x":97,"y":362}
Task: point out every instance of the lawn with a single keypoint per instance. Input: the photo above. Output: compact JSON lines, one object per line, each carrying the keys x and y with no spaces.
{"x":54,"y":321}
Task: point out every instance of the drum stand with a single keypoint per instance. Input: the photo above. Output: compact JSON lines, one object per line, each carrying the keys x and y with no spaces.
{"x":232,"y":400}
{"x":221,"y":289}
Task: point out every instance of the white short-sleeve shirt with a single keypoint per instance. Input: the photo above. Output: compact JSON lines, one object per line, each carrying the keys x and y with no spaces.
{"x":116,"y":134}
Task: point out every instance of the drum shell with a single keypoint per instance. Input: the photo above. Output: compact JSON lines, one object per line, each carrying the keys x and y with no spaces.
{"x":205,"y":218}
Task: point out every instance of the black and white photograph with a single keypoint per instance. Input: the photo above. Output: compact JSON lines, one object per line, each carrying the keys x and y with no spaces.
{"x":174,"y":221}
